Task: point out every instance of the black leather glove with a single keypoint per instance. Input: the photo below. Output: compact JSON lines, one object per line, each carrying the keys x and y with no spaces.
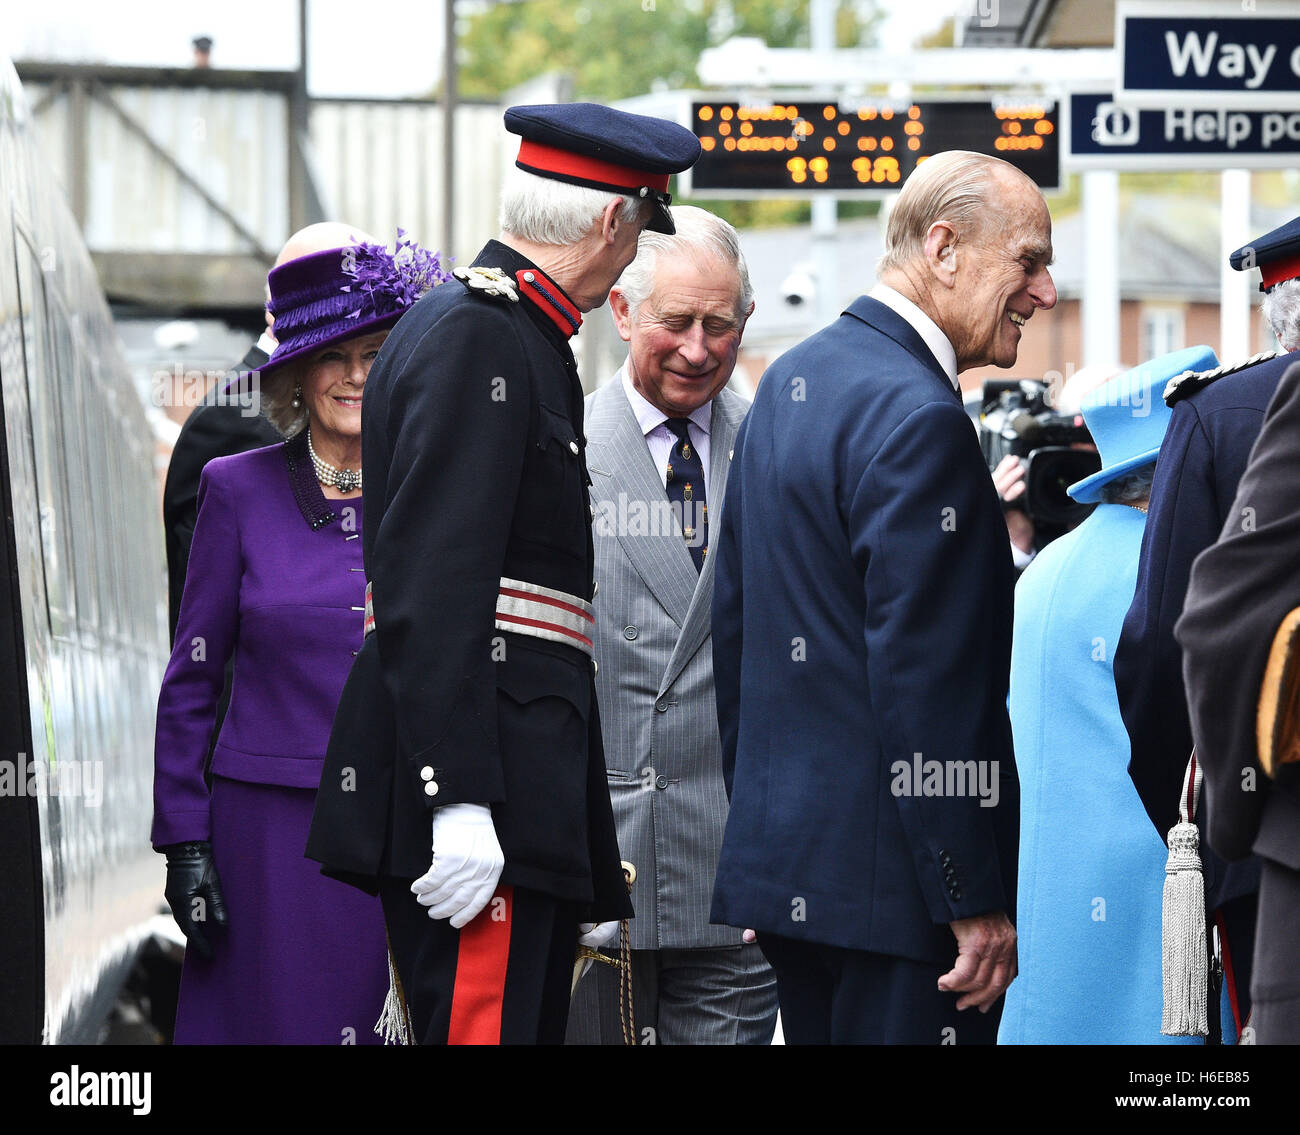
{"x":194,"y":893}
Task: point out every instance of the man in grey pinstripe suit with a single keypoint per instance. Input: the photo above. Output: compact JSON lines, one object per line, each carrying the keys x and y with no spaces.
{"x":664,"y":423}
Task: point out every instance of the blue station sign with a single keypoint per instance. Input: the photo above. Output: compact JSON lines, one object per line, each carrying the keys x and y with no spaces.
{"x":1221,"y":56}
{"x":1104,"y":134}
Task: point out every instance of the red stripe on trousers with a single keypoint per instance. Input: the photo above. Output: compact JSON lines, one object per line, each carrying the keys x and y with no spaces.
{"x":1229,"y":974}
{"x":480,"y":984}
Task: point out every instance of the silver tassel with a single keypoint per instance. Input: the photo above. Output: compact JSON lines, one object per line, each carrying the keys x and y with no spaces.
{"x":1182,"y":941}
{"x":394,"y":1026}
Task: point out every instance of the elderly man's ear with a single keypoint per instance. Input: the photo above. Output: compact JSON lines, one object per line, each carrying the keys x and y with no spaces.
{"x":622,"y":312}
{"x":611,"y":220}
{"x":941,"y":252}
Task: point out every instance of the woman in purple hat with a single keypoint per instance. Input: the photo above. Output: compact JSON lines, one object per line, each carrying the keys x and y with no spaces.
{"x":278,"y":953}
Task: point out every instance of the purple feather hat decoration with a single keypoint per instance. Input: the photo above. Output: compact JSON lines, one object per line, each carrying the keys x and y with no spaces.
{"x":340,"y":293}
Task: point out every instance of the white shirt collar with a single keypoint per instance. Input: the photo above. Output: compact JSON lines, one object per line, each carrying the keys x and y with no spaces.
{"x":924,"y":326}
{"x":650,"y":417}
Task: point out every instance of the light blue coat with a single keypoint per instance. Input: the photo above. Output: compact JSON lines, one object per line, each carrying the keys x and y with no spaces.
{"x":1092,"y":868}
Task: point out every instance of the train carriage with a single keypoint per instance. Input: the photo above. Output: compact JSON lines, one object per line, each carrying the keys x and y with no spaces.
{"x":83,"y":631}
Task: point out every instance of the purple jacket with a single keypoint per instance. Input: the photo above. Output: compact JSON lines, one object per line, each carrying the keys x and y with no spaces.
{"x":275,"y":578}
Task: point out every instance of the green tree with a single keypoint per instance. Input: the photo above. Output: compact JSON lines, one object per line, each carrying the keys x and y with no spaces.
{"x":615,"y":49}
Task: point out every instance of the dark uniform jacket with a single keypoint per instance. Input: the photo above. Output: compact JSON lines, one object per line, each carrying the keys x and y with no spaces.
{"x":1202,"y":457}
{"x":214,"y":429}
{"x":861,"y":628}
{"x":474,"y":469}
{"x":1240,"y":591}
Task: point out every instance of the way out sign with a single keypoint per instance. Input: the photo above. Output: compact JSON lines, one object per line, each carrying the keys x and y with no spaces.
{"x":1235,"y":55}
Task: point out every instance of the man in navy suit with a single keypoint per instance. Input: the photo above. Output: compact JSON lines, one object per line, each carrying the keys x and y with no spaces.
{"x":862,"y":633}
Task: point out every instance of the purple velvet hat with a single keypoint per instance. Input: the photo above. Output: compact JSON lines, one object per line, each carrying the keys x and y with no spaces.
{"x":330,"y":296}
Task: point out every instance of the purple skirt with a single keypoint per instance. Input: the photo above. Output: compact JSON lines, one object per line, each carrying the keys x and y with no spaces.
{"x":304,"y":959}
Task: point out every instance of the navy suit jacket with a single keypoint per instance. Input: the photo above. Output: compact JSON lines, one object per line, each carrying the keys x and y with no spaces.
{"x":862,"y":616}
{"x":1202,"y":458}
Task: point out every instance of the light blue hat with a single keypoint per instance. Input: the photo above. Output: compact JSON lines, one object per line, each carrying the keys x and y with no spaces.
{"x":1127,"y":417}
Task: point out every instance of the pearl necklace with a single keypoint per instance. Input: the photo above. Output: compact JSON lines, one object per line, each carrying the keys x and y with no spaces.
{"x":346,"y":480}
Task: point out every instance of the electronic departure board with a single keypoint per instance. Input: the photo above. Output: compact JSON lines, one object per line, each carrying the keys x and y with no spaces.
{"x":794,"y":147}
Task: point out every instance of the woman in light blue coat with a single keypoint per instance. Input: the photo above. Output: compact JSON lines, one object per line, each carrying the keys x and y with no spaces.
{"x":1091,"y":866}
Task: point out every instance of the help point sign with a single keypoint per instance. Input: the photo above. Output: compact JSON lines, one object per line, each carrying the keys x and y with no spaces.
{"x":1237,"y":55}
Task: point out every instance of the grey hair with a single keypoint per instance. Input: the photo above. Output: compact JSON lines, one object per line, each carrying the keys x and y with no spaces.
{"x":544,"y":211}
{"x":1282,"y":310}
{"x":1130,"y":488}
{"x":276,"y":391}
{"x":953,"y":186}
{"x":699,"y":233}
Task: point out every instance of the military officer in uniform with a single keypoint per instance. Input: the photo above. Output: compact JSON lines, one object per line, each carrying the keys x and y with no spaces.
{"x":470,"y":714}
{"x":1241,"y":590}
{"x":1216,"y":418}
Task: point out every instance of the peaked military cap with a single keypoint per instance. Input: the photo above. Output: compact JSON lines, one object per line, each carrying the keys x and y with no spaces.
{"x":585,"y":143}
{"x":1275,"y":254}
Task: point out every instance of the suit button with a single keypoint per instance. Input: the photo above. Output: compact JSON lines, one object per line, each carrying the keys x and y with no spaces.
{"x":630,"y":633}
{"x":595,"y":589}
{"x":426,"y":773}
{"x":594,"y":667}
{"x":573,"y":447}
{"x":956,"y":893}
{"x":431,"y":789}
{"x":661,"y":782}
{"x":661,"y":706}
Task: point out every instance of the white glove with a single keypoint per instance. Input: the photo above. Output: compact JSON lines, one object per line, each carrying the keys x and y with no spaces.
{"x":596,"y":935}
{"x":467,"y":863}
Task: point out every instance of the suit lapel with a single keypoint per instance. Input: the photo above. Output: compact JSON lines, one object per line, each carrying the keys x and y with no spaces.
{"x":624,"y":474}
{"x":728,"y":412}
{"x":888,"y":322}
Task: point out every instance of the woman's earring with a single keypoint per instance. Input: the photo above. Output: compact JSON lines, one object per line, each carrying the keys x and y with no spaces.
{"x":297,"y":397}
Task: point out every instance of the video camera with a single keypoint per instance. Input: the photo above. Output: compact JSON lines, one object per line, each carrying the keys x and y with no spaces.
{"x":1015,"y":417}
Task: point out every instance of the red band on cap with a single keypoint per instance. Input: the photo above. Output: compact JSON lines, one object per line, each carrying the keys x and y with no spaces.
{"x":1276,"y":271}
{"x":549,"y":160}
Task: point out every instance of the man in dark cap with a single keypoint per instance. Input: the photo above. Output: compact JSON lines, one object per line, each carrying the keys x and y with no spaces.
{"x":1216,"y":418}
{"x":202,"y":51}
{"x":470,"y":714}
{"x":1241,"y":590}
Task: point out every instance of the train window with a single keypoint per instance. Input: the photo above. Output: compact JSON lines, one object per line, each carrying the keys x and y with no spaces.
{"x":74,"y":406}
{"x":51,"y":491}
{"x":104,"y":528}
{"x":63,"y":411}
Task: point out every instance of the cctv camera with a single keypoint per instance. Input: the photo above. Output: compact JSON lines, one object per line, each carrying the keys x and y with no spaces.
{"x":798,"y":287}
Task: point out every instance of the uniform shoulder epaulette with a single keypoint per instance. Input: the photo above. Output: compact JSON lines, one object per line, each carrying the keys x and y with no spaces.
{"x":492,"y":282}
{"x":1190,"y":381}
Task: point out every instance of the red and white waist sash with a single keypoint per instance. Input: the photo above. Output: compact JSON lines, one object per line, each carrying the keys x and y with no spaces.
{"x":530,"y":609}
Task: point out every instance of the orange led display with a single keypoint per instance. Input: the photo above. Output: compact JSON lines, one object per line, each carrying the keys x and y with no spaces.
{"x":865,"y":147}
